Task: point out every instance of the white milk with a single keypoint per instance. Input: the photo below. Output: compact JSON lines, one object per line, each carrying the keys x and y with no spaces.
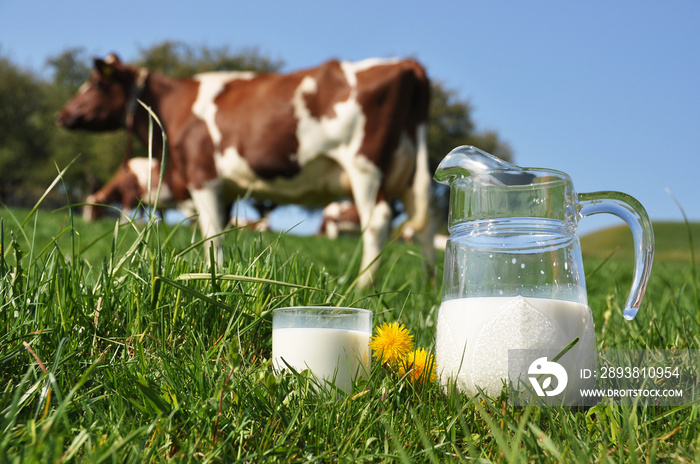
{"x":329,"y":353}
{"x":476,"y":334}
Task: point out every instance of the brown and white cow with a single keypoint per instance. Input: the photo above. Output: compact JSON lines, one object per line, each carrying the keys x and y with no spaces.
{"x":341,"y":218}
{"x":130,"y":187}
{"x":343,"y":129}
{"x":338,"y":218}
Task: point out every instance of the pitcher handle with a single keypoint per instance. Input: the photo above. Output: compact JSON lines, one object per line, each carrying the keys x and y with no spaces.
{"x":633,"y":213}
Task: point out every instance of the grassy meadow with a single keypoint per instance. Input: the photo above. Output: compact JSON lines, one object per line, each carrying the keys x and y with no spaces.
{"x":110,"y":353}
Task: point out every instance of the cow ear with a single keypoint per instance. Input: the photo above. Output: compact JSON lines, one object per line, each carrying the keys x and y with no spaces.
{"x":109,"y":65}
{"x":113,"y":59}
{"x":103,"y":67}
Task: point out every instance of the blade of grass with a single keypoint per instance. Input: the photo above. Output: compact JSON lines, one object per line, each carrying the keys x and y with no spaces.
{"x":693,"y":266}
{"x":259,"y":280}
{"x":58,"y":178}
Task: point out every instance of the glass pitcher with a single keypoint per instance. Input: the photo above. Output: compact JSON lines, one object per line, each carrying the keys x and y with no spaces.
{"x":514,"y":275}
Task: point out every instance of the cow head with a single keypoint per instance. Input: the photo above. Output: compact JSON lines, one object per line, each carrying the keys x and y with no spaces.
{"x":101,"y":103}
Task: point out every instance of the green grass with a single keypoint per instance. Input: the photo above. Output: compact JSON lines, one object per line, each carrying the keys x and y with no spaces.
{"x":671,"y":242}
{"x":107,"y":356}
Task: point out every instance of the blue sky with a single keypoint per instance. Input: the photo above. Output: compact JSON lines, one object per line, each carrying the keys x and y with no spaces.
{"x":608,"y":92}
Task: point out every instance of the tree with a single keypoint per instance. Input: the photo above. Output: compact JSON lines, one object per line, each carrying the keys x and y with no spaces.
{"x":181,"y":60}
{"x":22,"y":138}
{"x":70,"y":69}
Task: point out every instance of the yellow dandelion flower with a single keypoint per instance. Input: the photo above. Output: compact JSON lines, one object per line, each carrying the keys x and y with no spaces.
{"x":392,"y":342}
{"x":416,"y":363}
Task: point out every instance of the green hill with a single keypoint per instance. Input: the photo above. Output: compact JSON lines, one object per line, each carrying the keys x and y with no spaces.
{"x":672,"y":242}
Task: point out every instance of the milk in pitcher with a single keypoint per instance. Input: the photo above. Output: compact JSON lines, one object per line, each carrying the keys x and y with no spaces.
{"x":475,"y":334}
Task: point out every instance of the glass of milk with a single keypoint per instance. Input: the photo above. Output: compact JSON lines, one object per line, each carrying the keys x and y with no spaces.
{"x":514,"y":277}
{"x":332,"y":342}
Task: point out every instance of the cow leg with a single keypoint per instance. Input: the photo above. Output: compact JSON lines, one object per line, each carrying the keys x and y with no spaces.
{"x":375,"y":216}
{"x":207,"y":203}
{"x":422,"y":233}
{"x":89,"y":210}
{"x":332,"y":230}
{"x":331,"y":218}
{"x":187,"y":208}
{"x":416,"y":201}
{"x":373,"y":239}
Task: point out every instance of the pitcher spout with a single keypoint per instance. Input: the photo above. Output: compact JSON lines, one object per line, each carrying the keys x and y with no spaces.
{"x":465,"y":161}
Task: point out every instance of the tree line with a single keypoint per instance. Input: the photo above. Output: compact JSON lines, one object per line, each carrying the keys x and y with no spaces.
{"x":33,"y":150}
